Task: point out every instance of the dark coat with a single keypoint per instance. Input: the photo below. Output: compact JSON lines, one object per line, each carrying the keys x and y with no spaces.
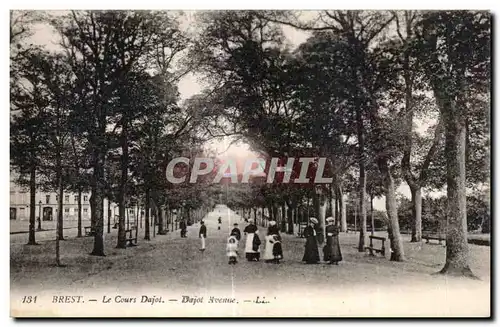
{"x":311,"y":253}
{"x":236,"y":233}
{"x":256,"y":242}
{"x":331,"y":251}
{"x":182,"y":224}
{"x":203,"y":231}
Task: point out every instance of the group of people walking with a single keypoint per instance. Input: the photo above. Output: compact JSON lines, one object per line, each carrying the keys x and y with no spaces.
{"x":273,"y":251}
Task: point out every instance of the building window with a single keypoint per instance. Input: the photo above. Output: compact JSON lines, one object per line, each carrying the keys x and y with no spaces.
{"x":85,"y":198}
{"x":76,"y":198}
{"x":66,"y":198}
{"x":85,"y":210}
{"x":57,"y":198}
{"x":47,"y":199}
{"x":22,"y":213}
{"x":66,"y":210}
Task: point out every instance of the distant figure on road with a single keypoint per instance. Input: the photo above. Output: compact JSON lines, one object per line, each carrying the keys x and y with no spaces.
{"x":183,"y":228}
{"x":311,"y":253}
{"x":232,"y":250}
{"x":331,"y":251}
{"x":252,"y":242}
{"x":220,"y":222}
{"x":203,"y":235}
{"x":272,"y":233}
{"x":236,"y":232}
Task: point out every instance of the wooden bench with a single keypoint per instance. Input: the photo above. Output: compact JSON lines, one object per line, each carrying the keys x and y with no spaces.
{"x":351,"y":230}
{"x":130,"y":239}
{"x":372,"y":249}
{"x":436,"y":237}
{"x":89,"y":231}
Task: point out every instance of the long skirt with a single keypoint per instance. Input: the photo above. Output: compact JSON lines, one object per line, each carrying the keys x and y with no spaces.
{"x":268,"y":251}
{"x":251,"y":255}
{"x":311,"y":253}
{"x":331,"y":251}
{"x":202,"y":243}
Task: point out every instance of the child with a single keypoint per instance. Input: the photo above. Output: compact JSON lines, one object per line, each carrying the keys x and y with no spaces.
{"x":277,"y":249}
{"x":232,"y":249}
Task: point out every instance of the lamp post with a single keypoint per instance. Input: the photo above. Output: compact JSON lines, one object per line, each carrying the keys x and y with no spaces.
{"x":40,"y":215}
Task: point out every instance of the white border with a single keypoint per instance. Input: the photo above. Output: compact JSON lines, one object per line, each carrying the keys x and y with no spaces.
{"x":187,"y":5}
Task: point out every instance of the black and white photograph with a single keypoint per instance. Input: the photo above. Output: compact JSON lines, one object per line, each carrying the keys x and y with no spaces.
{"x":250,"y":163}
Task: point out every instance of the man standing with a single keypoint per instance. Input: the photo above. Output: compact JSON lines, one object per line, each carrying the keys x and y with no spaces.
{"x":183,"y":227}
{"x":220,"y":223}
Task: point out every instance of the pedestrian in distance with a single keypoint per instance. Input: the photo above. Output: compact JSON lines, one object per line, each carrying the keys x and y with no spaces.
{"x":183,"y":228}
{"x":203,"y":235}
{"x":232,"y":250}
{"x":220,"y":223}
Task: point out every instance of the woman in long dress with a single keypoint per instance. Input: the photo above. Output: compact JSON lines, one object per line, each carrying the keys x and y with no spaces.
{"x":272,"y":230}
{"x":311,"y":253}
{"x":252,"y":242}
{"x":331,"y":251}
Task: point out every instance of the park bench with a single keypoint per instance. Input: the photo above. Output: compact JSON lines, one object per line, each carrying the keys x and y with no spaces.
{"x":89,"y":231}
{"x":131,"y":238}
{"x":373,"y":249}
{"x":435,"y":237}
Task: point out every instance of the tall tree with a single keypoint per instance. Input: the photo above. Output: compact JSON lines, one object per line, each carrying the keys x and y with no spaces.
{"x":455,"y":51}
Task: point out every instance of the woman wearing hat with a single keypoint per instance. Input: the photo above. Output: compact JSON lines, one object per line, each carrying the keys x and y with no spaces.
{"x":331,"y":251}
{"x":273,"y":232}
{"x":311,"y":253}
{"x":252,"y":242}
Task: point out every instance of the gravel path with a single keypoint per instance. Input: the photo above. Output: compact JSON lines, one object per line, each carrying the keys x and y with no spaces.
{"x":172,"y":265}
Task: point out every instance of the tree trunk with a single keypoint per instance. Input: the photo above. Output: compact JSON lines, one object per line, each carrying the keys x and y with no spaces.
{"x":290,"y":220}
{"x":283,"y":217}
{"x":362,"y":208}
{"x":336,"y":212}
{"x":146,"y":221}
{"x":333,"y":200}
{"x":371,"y":215}
{"x":161,"y":229}
{"x":109,"y":216}
{"x":343,"y":212}
{"x":397,"y":251}
{"x":122,"y":194}
{"x":92,"y":202}
{"x":98,"y":198}
{"x":60,"y":192}
{"x":320,"y":205}
{"x":457,"y":249}
{"x":416,"y":210}
{"x":31,"y":235}
{"x":362,"y":179}
{"x":79,"y":212}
